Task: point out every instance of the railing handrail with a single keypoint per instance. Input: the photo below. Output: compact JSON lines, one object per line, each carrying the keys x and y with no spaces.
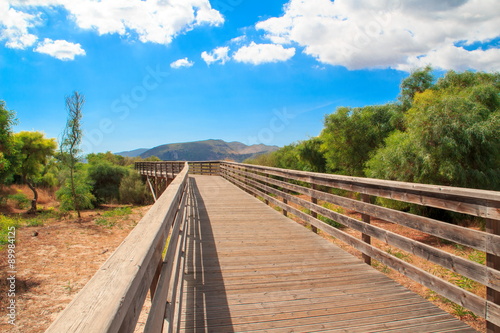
{"x":468,"y":194}
{"x":112,"y":300}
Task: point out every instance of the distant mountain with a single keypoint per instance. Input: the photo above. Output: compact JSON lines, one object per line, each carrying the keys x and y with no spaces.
{"x":133,"y":153}
{"x":207,"y":150}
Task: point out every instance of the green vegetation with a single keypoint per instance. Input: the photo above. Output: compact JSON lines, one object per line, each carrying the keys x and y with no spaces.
{"x":7,"y":148}
{"x":6,"y":225}
{"x":121,"y":211}
{"x":75,"y":193}
{"x":21,"y":200}
{"x":437,"y":132}
{"x":33,"y":152}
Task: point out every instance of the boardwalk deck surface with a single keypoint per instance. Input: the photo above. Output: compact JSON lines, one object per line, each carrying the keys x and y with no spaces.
{"x":249,"y":268}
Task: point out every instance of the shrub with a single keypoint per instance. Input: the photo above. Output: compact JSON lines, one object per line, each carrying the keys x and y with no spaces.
{"x":133,"y":190}
{"x":21,"y":199}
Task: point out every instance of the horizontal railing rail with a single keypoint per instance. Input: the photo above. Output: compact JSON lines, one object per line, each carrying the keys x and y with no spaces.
{"x":112,"y":300}
{"x":304,"y":195}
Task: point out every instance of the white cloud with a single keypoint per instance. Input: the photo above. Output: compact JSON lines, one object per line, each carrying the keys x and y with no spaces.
{"x":181,"y":63}
{"x":386,"y":33}
{"x":257,"y":54}
{"x":155,"y":21}
{"x":60,"y":49}
{"x":152,"y":21}
{"x":219,"y":54}
{"x":14,"y":27}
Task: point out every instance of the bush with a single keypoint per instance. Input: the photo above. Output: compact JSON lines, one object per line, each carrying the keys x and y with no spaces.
{"x":21,"y":199}
{"x":133,"y":190}
{"x":6,"y":223}
{"x":84,"y":196}
{"x":106,"y":179}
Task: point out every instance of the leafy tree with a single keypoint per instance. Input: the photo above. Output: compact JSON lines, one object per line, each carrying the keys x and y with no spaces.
{"x":108,"y":156}
{"x":7,"y":148}
{"x":76,"y":186}
{"x":133,"y":190}
{"x":451,"y":137}
{"x":106,"y":178}
{"x":419,"y":81}
{"x":33,"y":152}
{"x":76,"y":193}
{"x":311,"y":156}
{"x":351,"y":135}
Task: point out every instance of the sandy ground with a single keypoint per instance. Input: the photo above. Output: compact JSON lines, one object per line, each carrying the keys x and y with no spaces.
{"x":54,"y":261}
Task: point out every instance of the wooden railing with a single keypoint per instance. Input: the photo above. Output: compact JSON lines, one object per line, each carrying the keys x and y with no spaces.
{"x":112,"y":300}
{"x":286,"y":189}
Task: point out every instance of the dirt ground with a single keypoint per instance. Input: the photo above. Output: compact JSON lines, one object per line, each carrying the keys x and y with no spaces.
{"x":54,"y":261}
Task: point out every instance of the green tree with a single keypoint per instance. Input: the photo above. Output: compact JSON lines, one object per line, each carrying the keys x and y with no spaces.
{"x":76,"y":189}
{"x":351,"y":135}
{"x":107,"y":156}
{"x":419,"y":81}
{"x":311,"y":156}
{"x":133,"y":190}
{"x":106,"y":178}
{"x":7,"y":148}
{"x":451,"y":136}
{"x":76,"y":193}
{"x":33,"y":152}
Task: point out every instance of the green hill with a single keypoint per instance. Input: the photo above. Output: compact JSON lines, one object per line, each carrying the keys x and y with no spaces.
{"x":207,"y":150}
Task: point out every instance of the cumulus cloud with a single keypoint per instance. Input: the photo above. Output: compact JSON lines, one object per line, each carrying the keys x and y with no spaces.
{"x":181,"y":63}
{"x":385,"y":33}
{"x":155,"y":21}
{"x":152,"y":21}
{"x":257,"y":54}
{"x":14,"y":26}
{"x":219,"y":55}
{"x":60,"y":49}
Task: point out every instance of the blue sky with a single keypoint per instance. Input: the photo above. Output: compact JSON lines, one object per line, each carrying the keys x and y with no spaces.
{"x":253,"y":71}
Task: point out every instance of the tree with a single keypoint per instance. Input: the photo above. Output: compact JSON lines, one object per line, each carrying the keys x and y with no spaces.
{"x":133,"y":190}
{"x":106,"y":178}
{"x":310,"y":154}
{"x":419,"y":81}
{"x":451,"y":136}
{"x":7,"y":148}
{"x":352,"y":134}
{"x":76,"y":189}
{"x":33,"y":152}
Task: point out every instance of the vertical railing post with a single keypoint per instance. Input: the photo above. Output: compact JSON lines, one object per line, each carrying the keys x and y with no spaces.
{"x":285,"y":200}
{"x":493,"y":261}
{"x":365,"y":238}
{"x":314,"y":200}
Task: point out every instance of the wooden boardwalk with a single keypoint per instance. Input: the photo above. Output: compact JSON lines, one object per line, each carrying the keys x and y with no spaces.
{"x":249,"y":268}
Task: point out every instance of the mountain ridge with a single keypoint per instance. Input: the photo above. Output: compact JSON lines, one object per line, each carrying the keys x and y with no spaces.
{"x":204,"y":150}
